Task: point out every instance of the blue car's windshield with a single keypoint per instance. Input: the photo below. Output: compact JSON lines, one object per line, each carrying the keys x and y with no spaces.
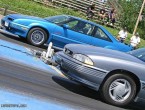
{"x":58,"y":19}
{"x":139,"y":53}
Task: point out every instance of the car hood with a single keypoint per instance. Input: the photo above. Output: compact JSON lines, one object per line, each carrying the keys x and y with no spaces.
{"x":20,"y":16}
{"x":98,"y":51}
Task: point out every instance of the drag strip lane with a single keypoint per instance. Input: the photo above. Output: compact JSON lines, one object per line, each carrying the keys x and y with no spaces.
{"x":46,"y":88}
{"x":26,"y":73}
{"x":50,"y":85}
{"x":47,"y":85}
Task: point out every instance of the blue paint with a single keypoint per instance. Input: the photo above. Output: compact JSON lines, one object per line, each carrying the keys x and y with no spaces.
{"x":29,"y":102}
{"x":21,"y":55}
{"x":60,"y":35}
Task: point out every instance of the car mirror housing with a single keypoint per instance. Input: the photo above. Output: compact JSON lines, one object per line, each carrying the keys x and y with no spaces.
{"x":65,"y":26}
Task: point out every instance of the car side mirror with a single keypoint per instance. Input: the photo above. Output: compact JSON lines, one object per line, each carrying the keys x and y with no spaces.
{"x":65,"y":26}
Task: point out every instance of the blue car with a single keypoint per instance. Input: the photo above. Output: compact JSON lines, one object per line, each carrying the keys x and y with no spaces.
{"x":60,"y":30}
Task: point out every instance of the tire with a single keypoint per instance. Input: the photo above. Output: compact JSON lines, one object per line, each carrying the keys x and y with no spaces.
{"x":37,"y":36}
{"x":119,"y":90}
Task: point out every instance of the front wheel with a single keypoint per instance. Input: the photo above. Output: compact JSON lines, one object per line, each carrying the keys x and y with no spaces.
{"x":119,"y":90}
{"x":37,"y":36}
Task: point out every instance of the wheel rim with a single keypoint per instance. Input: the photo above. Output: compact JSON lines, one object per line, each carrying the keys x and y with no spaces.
{"x":120,"y":90}
{"x":37,"y":37}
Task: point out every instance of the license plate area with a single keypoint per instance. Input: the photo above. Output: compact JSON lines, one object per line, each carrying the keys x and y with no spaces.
{"x":6,"y":24}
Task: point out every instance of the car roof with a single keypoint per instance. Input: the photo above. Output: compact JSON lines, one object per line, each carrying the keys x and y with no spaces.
{"x":84,"y":20}
{"x":93,"y":23}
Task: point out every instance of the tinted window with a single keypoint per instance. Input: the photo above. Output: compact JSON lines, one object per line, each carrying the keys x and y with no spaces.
{"x":58,"y":19}
{"x":72,"y":24}
{"x":101,"y":35}
{"x":80,"y":26}
{"x":139,"y":53}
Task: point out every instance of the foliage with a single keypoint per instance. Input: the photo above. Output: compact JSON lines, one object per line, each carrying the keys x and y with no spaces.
{"x":130,"y":14}
{"x":127,"y":41}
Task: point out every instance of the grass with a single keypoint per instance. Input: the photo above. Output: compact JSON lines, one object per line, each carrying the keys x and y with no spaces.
{"x":32,"y":8}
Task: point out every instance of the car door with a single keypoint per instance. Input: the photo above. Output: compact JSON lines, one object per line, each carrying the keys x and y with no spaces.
{"x":80,"y":32}
{"x":73,"y":31}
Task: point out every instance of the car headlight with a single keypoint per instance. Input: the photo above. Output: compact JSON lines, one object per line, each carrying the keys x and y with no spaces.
{"x":83,"y":58}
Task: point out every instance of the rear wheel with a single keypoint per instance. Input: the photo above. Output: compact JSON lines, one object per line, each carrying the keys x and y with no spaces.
{"x":119,"y":90}
{"x":37,"y":36}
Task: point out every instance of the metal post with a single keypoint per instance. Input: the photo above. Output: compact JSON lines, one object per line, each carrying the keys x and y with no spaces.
{"x":48,"y":54}
{"x":139,"y":17}
{"x":5,"y":11}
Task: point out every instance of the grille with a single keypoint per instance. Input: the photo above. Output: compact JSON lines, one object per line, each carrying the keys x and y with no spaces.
{"x":143,"y":86}
{"x":82,"y":69}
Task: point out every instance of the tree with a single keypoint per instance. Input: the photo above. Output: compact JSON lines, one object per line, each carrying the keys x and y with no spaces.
{"x":129,"y":15}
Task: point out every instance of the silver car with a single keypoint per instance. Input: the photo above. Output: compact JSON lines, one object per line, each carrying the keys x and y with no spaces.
{"x":120,"y":77}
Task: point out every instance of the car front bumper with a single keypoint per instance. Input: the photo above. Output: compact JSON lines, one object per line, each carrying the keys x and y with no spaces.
{"x":85,"y":74}
{"x":14,"y":28}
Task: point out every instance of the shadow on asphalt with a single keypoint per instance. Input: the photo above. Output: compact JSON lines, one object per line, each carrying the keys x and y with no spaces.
{"x":90,"y":93}
{"x":76,"y":87}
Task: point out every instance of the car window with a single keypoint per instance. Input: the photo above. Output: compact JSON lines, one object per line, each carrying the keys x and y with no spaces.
{"x":139,"y":53}
{"x":81,"y":27}
{"x":58,"y":19}
{"x":72,"y":24}
{"x":142,"y":57}
{"x":89,"y":29}
{"x":101,"y":35}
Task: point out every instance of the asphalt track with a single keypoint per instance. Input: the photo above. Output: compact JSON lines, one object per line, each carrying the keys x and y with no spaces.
{"x":47,"y":85}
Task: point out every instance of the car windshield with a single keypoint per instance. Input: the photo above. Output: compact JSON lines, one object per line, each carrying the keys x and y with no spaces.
{"x":139,"y":53}
{"x":60,"y":19}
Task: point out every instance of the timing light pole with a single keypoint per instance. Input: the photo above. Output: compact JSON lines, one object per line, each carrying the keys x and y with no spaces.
{"x":139,"y":17}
